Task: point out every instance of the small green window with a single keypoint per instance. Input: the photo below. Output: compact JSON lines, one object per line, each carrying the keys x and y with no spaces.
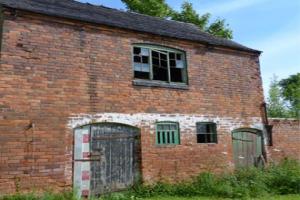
{"x":167,"y":133}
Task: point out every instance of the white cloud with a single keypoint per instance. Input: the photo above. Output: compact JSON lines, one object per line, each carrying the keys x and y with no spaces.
{"x":229,"y":6}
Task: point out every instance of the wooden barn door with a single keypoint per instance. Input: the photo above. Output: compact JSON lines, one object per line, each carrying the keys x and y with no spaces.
{"x":247,"y":148}
{"x":114,"y":158}
{"x":115,"y":151}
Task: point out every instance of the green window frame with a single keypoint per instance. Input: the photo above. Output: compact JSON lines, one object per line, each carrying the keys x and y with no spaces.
{"x":158,"y":63}
{"x":207,"y":132}
{"x":167,"y":133}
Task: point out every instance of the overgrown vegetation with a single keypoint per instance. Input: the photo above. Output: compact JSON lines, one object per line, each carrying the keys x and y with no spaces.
{"x":67,"y":195}
{"x":281,"y":179}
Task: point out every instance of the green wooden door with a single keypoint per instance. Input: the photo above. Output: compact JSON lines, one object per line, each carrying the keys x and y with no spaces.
{"x":247,"y":148}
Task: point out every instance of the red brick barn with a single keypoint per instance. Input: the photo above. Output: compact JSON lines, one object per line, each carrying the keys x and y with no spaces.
{"x":98,"y":98}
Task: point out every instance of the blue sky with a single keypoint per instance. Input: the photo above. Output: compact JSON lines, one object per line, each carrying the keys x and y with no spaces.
{"x":272,"y":26}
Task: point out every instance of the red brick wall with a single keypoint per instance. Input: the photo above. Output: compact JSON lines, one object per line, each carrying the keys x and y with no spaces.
{"x":53,"y":70}
{"x":286,"y":140}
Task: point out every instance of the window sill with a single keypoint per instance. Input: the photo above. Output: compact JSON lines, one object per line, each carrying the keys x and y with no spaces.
{"x":148,"y":83}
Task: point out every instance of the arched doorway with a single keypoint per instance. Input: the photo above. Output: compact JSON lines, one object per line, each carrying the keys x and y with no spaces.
{"x":106,"y":158}
{"x":247,"y":147}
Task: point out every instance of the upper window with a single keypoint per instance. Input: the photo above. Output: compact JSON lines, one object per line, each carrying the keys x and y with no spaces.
{"x":167,"y":133}
{"x":159,"y":63}
{"x":206,"y":132}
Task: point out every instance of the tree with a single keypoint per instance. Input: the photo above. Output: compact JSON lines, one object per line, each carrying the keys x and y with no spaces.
{"x":189,"y":15}
{"x":159,"y":8}
{"x":156,"y":8}
{"x":290,"y":90}
{"x":276,"y":107}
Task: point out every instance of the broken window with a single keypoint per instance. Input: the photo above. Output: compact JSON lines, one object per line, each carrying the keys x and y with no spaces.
{"x":206,"y":132}
{"x":161,"y":64}
{"x":167,"y":133}
{"x":141,"y":63}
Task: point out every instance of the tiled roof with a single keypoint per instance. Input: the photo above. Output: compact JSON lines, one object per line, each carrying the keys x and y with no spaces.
{"x":122,"y":19}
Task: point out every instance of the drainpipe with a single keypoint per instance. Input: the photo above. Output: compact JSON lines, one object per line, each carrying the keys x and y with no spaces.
{"x":267,"y":130}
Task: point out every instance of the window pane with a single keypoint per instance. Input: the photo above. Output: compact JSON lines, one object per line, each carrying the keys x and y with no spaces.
{"x":160,"y":74}
{"x":136,"y":50}
{"x":172,"y":63}
{"x":166,"y":127}
{"x":163,"y":56}
{"x":155,"y":61}
{"x":145,"y":52}
{"x":201,"y":128}
{"x":173,"y":127}
{"x":160,"y":127}
{"x":178,"y":56}
{"x":137,"y":59}
{"x":145,"y":68}
{"x":155,"y":54}
{"x":164,"y":63}
{"x":179,"y":64}
{"x":201,"y":138}
{"x":172,"y":56}
{"x":176,"y":75}
{"x":145,"y":59}
{"x":137,"y":66}
{"x":141,"y":75}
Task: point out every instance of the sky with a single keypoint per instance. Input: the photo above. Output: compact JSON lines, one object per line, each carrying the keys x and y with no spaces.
{"x":272,"y":26}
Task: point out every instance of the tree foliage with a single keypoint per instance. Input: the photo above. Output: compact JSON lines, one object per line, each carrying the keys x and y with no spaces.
{"x":284,"y":97}
{"x":276,"y":106}
{"x":156,"y":8}
{"x":290,"y":90}
{"x":159,"y":8}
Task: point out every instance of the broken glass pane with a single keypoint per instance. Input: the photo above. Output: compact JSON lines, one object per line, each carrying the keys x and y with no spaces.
{"x":145,"y":59}
{"x":137,"y":50}
{"x":176,"y":74}
{"x":137,"y":59}
{"x":160,"y":73}
{"x":141,"y":75}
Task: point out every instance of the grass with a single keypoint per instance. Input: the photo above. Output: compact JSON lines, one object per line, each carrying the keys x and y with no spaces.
{"x":285,"y":197}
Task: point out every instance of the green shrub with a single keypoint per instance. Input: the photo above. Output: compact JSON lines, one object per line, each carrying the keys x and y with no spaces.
{"x":283,"y":178}
{"x":67,"y":195}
